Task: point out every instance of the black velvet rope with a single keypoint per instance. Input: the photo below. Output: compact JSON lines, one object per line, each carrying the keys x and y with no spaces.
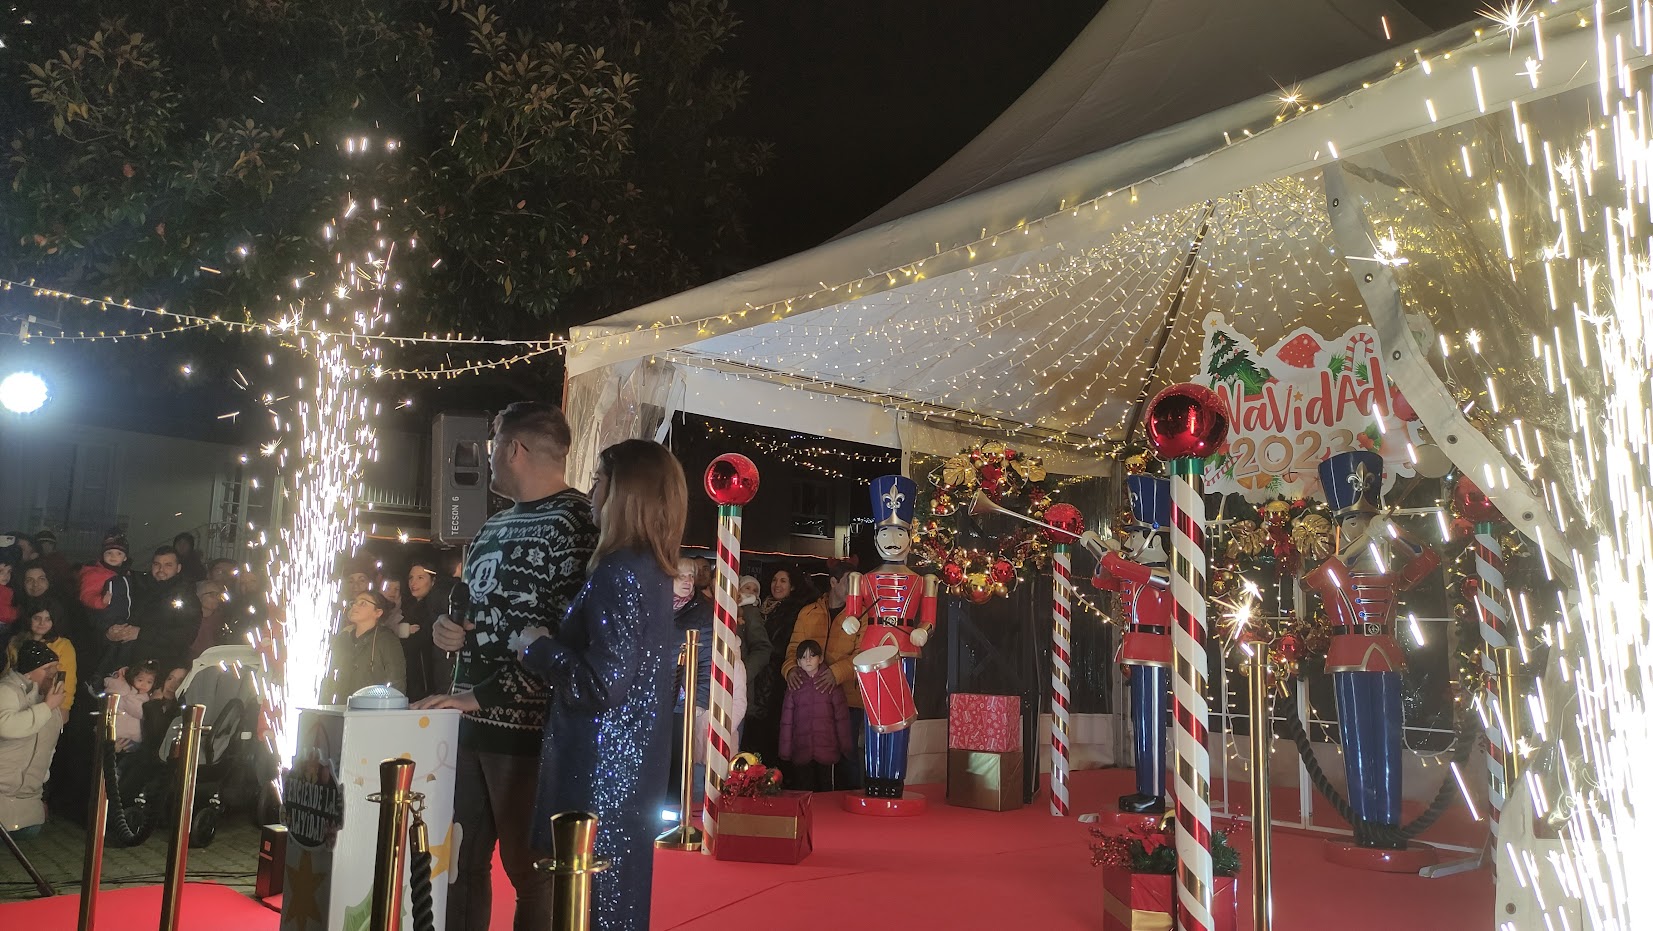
{"x":424,"y":916}
{"x":1369,"y":833}
{"x":125,"y":835}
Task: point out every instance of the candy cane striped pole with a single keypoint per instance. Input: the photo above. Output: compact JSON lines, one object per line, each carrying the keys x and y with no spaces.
{"x":1494,"y":616}
{"x":1188,"y":689}
{"x":1061,"y":678}
{"x":725,"y":650}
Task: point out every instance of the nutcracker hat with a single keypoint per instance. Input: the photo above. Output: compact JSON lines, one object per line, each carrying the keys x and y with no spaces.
{"x":1353,"y":481}
{"x":893,"y":497}
{"x":1150,"y":500}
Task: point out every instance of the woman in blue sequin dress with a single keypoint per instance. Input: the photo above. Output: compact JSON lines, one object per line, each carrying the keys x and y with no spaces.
{"x":607,"y":743}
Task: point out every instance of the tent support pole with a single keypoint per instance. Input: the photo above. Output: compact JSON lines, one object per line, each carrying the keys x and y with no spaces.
{"x":1178,"y":295}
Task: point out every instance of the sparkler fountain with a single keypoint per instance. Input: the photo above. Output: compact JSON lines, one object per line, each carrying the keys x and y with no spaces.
{"x":327,"y":440}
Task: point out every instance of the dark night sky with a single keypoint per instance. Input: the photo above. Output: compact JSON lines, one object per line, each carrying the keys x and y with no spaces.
{"x":862,"y":99}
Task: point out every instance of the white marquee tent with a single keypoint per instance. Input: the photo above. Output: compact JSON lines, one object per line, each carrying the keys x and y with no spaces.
{"x":1285,"y":163}
{"x":1049,"y":278}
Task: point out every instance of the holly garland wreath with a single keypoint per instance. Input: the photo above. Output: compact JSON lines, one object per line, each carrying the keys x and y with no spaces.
{"x":970,"y":565}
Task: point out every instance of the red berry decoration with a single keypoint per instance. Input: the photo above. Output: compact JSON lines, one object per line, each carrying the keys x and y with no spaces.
{"x":1186,"y":420}
{"x":1473,"y":503}
{"x":1068,"y":520}
{"x":1003,"y":571}
{"x":953,"y":574}
{"x":732,"y":479}
{"x":1471,"y":587}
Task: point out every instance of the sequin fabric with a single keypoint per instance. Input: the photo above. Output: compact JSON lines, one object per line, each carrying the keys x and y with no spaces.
{"x":607,"y":742}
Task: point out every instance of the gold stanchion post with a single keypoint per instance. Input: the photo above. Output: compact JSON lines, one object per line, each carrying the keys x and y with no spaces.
{"x":572,"y":864}
{"x":390,"y":861}
{"x":187,"y":752}
{"x":1262,"y":840}
{"x":1508,"y":694}
{"x":686,"y":836}
{"x":97,"y":816}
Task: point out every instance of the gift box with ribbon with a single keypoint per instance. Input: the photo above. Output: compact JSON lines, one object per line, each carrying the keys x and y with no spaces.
{"x":765,"y":829}
{"x":1146,"y":902}
{"x":991,"y":723}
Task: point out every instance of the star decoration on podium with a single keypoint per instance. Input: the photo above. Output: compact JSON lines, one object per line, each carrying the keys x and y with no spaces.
{"x":299,"y":897}
{"x":441,"y":855}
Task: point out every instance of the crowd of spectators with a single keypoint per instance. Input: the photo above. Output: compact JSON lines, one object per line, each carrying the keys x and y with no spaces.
{"x":563,"y":625}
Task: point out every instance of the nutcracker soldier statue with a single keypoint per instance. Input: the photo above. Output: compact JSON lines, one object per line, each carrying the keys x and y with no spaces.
{"x":1358,"y":585}
{"x":893,"y":609}
{"x":1143,"y":582}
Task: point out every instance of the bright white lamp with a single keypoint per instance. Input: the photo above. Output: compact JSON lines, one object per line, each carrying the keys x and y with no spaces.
{"x":23,"y":392}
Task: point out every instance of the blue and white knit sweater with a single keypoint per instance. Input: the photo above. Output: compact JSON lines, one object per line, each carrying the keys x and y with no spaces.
{"x":524,"y":568}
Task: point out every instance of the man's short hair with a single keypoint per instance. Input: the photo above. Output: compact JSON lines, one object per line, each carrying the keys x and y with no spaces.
{"x":538,"y":425}
{"x":220,"y":561}
{"x":165,"y":551}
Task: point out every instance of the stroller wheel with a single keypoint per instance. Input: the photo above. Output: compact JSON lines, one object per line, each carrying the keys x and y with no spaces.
{"x":204,"y":826}
{"x":135,"y":817}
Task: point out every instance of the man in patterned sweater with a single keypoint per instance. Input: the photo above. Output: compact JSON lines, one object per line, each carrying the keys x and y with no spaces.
{"x":524,"y":568}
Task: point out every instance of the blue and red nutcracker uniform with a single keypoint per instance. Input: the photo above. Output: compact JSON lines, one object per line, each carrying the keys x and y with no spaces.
{"x":1146,"y":648}
{"x":1364,"y":658}
{"x":1145,"y":600}
{"x":892,"y":603}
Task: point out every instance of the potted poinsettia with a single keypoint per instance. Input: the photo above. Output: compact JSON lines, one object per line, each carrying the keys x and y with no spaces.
{"x":1139,"y":872}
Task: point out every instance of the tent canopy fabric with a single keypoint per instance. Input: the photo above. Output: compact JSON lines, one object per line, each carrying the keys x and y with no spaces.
{"x":1044,"y":293}
{"x":1142,"y":66}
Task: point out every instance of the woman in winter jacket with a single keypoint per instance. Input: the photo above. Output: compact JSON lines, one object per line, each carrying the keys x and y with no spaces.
{"x":815,"y":732}
{"x":792,"y":604}
{"x":364,"y":653}
{"x":42,"y":624}
{"x":29,"y":726}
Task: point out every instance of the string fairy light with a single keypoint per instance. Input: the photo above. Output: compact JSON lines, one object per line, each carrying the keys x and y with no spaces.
{"x":287,"y":326}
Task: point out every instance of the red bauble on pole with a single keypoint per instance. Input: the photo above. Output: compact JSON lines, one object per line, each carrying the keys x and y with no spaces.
{"x":1185,"y":424}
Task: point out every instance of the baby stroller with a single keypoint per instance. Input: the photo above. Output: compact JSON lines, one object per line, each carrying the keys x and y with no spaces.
{"x":232,"y":768}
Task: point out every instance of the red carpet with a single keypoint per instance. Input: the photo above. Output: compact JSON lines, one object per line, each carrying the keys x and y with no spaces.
{"x":950,"y":868}
{"x":960,"y":868}
{"x":205,"y":907}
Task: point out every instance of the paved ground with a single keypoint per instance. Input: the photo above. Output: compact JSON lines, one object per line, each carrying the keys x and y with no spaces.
{"x":58,"y":850}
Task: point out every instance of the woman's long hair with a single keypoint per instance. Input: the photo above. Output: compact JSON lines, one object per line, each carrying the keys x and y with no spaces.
{"x":646,"y":504}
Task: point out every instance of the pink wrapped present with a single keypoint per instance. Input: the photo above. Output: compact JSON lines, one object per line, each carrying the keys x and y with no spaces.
{"x":988,"y":723}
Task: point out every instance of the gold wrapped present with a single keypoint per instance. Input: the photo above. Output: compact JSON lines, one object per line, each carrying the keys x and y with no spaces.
{"x":986,"y":780}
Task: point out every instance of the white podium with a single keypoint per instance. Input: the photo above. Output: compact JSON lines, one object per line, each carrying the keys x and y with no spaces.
{"x":332,"y":828}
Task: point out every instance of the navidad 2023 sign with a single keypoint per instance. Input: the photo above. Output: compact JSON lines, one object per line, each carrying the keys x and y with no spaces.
{"x":1304,"y":399}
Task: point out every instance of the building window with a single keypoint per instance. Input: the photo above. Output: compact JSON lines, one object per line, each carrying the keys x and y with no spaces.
{"x":813,"y":507}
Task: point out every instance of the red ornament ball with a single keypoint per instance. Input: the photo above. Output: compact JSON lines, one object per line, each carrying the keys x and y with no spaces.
{"x":1291,"y":647}
{"x":1068,"y":521}
{"x":953,"y":574}
{"x":1186,"y":420}
{"x":1471,"y":587}
{"x":732,"y":479}
{"x":1473,"y":504}
{"x":1003,"y":571}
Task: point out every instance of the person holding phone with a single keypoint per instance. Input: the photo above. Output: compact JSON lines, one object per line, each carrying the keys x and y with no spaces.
{"x":32,"y":695}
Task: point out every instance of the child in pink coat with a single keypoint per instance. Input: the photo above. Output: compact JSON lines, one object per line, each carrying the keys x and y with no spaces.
{"x":815,"y":731}
{"x":133,"y":684}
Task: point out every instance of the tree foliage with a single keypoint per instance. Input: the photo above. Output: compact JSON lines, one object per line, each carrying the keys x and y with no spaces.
{"x":559,"y":159}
